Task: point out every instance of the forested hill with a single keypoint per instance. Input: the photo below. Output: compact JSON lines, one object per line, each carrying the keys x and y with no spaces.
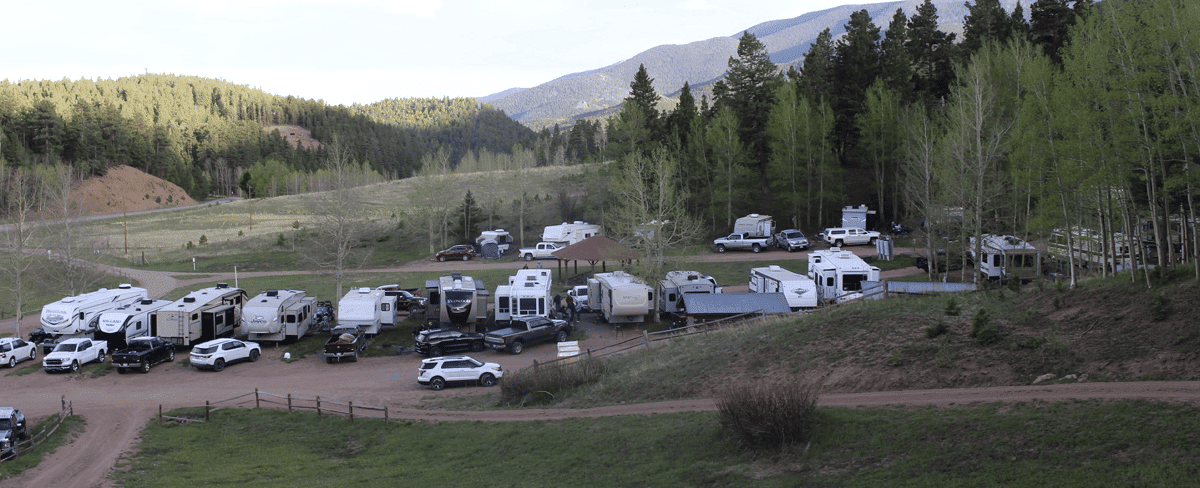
{"x":198,"y":132}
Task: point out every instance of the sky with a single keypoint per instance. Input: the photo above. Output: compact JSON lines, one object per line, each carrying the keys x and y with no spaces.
{"x":360,"y":51}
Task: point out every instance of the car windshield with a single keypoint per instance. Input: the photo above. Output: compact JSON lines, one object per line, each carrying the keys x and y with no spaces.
{"x":475,"y":362}
{"x":6,"y":424}
{"x":65,"y":348}
{"x":792,"y":235}
{"x":206,"y":350}
{"x":139,"y":346}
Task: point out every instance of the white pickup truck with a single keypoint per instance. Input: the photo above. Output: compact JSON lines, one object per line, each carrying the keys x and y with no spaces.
{"x":847,"y":236}
{"x":542,"y":250}
{"x":742,"y":241}
{"x":70,"y":354}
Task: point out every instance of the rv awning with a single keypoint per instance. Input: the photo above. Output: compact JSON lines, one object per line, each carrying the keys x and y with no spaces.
{"x":734,"y":303}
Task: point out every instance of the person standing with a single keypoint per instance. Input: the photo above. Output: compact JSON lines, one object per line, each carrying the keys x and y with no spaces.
{"x":570,"y":301}
{"x":558,"y":305}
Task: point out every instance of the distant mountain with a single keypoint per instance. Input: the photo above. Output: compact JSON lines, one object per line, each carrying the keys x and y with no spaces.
{"x":699,"y":63}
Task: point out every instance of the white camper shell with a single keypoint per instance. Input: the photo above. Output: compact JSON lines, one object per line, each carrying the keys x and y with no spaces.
{"x":839,"y":274}
{"x":456,"y":300}
{"x":676,"y":284}
{"x":368,"y":309}
{"x":620,"y":297}
{"x":119,"y":325}
{"x":799,"y":290}
{"x":1006,"y":257}
{"x":527,"y":293}
{"x":755,"y":225}
{"x":570,"y":233}
{"x":278,"y":315}
{"x":77,"y":315}
{"x":202,"y":315}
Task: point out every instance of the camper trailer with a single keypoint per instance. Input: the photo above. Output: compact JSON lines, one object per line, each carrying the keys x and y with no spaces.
{"x":368,"y":309}
{"x":756,"y":225}
{"x":278,"y":315}
{"x":500,"y":237}
{"x":527,"y":293}
{"x":119,"y":325}
{"x":799,"y":290}
{"x":620,"y":297}
{"x":679,"y":283}
{"x":456,"y":300}
{"x":1088,"y":248}
{"x":1006,"y":257}
{"x":200,"y":316}
{"x":857,"y":217}
{"x":570,"y":233}
{"x":839,"y":275}
{"x":78,"y":316}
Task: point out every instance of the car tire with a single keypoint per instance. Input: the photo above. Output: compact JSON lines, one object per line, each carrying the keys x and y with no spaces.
{"x":32,"y":353}
{"x":561,"y":336}
{"x":477,"y":346}
{"x":435,"y":351}
{"x":254,"y":354}
{"x":872,"y":241}
{"x":218,"y":365}
{"x":529,"y":257}
{"x":720,"y":248}
{"x":171,"y":356}
{"x":437,"y":384}
{"x":466,"y":257}
{"x":516,"y":347}
{"x":488,"y":379}
{"x":100,"y":358}
{"x":12,"y":362}
{"x":145,"y":367}
{"x":442,"y":259}
{"x":120,"y":370}
{"x":838,"y":243}
{"x":75,"y":366}
{"x":756,"y":248}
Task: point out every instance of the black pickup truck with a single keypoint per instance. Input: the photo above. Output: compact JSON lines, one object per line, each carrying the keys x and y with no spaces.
{"x":526,"y":330}
{"x":345,"y":342}
{"x":142,"y":353}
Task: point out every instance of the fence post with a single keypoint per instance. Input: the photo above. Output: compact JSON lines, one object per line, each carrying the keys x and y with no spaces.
{"x":318,"y":407}
{"x":289,"y":403}
{"x":385,"y":414}
{"x":351,"y":404}
{"x":206,"y":410}
{"x":160,"y":414}
{"x":256,"y":398}
{"x":646,"y":337}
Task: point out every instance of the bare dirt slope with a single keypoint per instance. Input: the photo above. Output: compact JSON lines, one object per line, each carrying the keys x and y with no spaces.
{"x":125,"y":189}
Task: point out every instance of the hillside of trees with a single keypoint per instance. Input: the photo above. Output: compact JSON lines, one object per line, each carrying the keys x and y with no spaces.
{"x":199,"y":133}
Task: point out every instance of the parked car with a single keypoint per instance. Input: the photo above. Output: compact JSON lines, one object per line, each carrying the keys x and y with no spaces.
{"x":13,"y":351}
{"x":439,"y":372}
{"x":73,"y":353}
{"x":217,"y":353}
{"x":461,"y":251}
{"x":791,"y":240}
{"x":12,"y":429}
{"x":436,"y":342}
{"x":142,"y":353}
{"x":526,"y":330}
{"x":847,"y":236}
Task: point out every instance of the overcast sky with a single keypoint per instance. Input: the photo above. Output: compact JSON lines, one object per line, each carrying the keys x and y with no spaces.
{"x":360,"y":51}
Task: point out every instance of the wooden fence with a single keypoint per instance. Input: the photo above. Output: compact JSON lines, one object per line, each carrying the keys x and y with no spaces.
{"x":262,"y":399}
{"x":31,"y":442}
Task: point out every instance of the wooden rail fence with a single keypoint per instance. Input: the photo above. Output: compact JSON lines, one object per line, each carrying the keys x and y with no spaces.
{"x":281,"y":402}
{"x":22,"y":447}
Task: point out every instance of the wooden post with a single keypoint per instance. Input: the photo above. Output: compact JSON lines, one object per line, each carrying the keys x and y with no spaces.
{"x":160,"y":414}
{"x":351,"y":404}
{"x":256,"y":398}
{"x":289,"y":403}
{"x":385,"y":414}
{"x":206,"y":410}
{"x":646,"y":337}
{"x":318,"y":407}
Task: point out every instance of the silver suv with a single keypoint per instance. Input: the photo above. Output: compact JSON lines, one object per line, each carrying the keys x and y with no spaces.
{"x":457,"y":370}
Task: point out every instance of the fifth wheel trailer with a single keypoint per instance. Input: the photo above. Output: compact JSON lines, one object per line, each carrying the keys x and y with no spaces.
{"x":119,"y":325}
{"x":78,"y":316}
{"x":202,"y":315}
{"x":278,"y":315}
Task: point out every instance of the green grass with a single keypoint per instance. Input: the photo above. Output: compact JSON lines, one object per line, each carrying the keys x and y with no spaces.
{"x":1026,"y":444}
{"x":70,"y":428}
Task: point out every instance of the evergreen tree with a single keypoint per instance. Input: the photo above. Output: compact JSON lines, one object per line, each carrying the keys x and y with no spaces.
{"x":895,"y":66}
{"x":857,"y":66}
{"x":1049,"y":23}
{"x":679,"y":123}
{"x":1020,"y":26}
{"x":642,"y":94}
{"x":986,"y":22}
{"x":816,"y":80}
{"x":748,"y":88}
{"x":470,"y":216}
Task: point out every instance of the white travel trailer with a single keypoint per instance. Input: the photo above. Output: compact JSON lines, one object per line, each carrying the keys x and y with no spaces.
{"x":620,"y":297}
{"x":278,"y":315}
{"x":856,"y":217}
{"x":77,"y":316}
{"x":570,"y":233}
{"x":456,"y":300}
{"x":755,"y":225}
{"x":679,"y":283}
{"x":527,"y":293}
{"x":202,"y":315}
{"x":119,"y":325}
{"x":501,"y":237}
{"x":839,"y":274}
{"x":800,"y":290}
{"x":368,"y":309}
{"x":1006,"y":257}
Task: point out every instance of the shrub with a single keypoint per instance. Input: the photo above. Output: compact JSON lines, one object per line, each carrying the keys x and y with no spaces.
{"x":1158,"y":308}
{"x":539,"y":385}
{"x":983,"y":330}
{"x":281,"y":241}
{"x":952,"y":307}
{"x":1056,"y":303}
{"x":203,"y":239}
{"x":190,"y":245}
{"x":934,"y":331}
{"x":1014,"y":285}
{"x":768,"y":414}
{"x":896,"y":359}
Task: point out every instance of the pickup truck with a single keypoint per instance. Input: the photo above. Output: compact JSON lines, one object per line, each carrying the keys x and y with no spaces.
{"x":345,"y":342}
{"x":741,"y":241}
{"x":526,"y":330}
{"x":847,"y":236}
{"x":70,"y":354}
{"x":542,"y":250}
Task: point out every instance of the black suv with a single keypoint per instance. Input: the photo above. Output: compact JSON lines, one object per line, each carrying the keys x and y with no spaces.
{"x":142,"y":353}
{"x":12,"y":429}
{"x":440,"y":341}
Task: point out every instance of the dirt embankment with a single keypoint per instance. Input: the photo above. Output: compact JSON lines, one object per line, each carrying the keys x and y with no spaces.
{"x":125,"y":189}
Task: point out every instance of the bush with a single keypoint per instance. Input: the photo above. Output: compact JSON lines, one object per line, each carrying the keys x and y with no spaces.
{"x":983,"y":330}
{"x":539,"y":385}
{"x":1158,"y":308}
{"x":896,"y":360}
{"x":768,"y":414}
{"x":203,"y":239}
{"x":952,"y":307}
{"x":281,"y":241}
{"x":934,"y":331}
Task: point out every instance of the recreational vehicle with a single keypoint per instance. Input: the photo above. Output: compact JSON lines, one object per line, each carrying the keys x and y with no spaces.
{"x":570,"y":233}
{"x":200,"y":316}
{"x":1006,"y":257}
{"x":500,"y":237}
{"x":620,"y":297}
{"x":456,"y":300}
{"x":857,"y":217}
{"x":1087,"y":248}
{"x":755,"y":225}
{"x":679,"y":283}
{"x":119,"y":325}
{"x":527,"y":293}
{"x":799,"y":290}
{"x":839,"y":275}
{"x":368,"y":309}
{"x":77,"y":316}
{"x":278,"y":315}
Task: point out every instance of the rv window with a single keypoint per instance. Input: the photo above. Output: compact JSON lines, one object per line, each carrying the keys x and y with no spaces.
{"x":829,"y":281}
{"x":502,"y":305}
{"x":137,"y":325}
{"x":853,"y":282}
{"x":671,"y":297}
{"x":528,"y":306}
{"x":195,"y":316}
{"x":385,"y":307}
{"x":291,"y":318}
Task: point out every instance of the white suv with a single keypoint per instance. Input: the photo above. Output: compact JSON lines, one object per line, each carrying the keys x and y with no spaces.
{"x":845,"y":236}
{"x":215,"y":354}
{"x":13,"y":351}
{"x":461,"y":370}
